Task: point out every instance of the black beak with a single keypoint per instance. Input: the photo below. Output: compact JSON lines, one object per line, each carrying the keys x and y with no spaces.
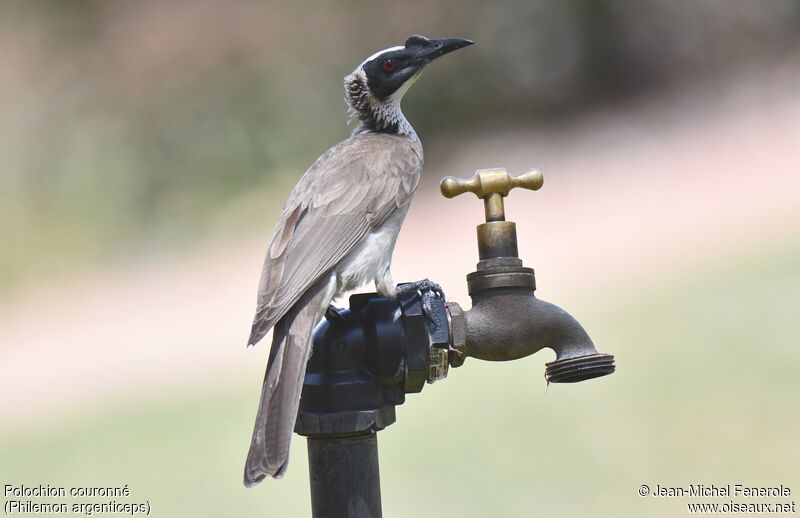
{"x":427,"y":50}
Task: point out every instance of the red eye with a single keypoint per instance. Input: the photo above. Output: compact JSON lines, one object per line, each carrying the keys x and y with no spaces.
{"x":389,"y":65}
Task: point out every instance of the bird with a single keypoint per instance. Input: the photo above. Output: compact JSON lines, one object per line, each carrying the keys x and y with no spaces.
{"x":337,"y":232}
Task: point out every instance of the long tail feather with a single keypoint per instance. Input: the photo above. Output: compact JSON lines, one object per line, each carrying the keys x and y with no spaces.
{"x":283,"y":383}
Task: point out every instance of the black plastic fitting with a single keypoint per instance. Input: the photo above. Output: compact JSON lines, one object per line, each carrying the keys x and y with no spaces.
{"x":365,"y":360}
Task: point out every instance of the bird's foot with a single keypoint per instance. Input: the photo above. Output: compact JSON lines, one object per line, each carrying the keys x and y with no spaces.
{"x":334,"y":313}
{"x":421,"y":286}
{"x":429,"y":291}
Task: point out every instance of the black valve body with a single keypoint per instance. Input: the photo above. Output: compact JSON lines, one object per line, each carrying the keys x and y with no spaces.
{"x":365,"y":360}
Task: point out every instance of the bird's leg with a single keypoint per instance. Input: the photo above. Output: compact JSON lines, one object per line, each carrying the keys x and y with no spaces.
{"x":384,"y":284}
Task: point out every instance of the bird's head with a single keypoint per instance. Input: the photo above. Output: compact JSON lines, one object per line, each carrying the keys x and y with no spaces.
{"x":375,"y":88}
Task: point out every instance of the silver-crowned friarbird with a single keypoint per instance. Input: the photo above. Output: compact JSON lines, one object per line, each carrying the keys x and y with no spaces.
{"x":337,"y":232}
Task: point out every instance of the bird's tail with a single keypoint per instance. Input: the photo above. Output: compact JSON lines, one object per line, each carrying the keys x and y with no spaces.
{"x":283,"y":383}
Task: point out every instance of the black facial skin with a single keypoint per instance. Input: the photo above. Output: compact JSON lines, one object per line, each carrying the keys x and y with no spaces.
{"x":405,"y":62}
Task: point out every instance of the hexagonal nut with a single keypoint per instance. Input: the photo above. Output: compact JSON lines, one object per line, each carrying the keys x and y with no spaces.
{"x":458,"y":334}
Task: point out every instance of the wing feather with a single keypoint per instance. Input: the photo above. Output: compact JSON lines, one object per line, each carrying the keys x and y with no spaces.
{"x":348,"y":192}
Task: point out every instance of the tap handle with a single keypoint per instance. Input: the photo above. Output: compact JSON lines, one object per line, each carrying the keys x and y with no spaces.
{"x":490,"y":181}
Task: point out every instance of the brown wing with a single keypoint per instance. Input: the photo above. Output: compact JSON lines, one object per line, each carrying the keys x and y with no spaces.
{"x":349,"y":191}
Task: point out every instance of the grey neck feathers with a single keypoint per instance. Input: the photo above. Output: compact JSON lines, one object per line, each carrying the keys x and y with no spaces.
{"x":373,"y":114}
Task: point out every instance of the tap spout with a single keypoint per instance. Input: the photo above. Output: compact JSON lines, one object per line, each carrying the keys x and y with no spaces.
{"x":507,"y":323}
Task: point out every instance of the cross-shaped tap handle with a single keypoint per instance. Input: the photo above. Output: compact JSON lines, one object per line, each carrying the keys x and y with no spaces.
{"x":491,"y":185}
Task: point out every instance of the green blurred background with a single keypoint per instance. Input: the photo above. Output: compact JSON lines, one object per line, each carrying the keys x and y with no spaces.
{"x":147,"y":147}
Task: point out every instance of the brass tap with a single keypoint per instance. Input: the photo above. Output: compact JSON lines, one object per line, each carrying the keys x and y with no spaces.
{"x":496,"y":237}
{"x":491,"y":185}
{"x":506,"y":320}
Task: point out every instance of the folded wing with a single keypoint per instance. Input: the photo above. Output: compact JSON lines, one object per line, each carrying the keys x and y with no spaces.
{"x":349,"y":191}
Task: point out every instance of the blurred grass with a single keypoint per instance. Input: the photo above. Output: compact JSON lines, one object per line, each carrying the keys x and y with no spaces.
{"x":706,"y":392}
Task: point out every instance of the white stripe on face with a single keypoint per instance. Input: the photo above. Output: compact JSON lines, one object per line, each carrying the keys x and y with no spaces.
{"x":390,"y":49}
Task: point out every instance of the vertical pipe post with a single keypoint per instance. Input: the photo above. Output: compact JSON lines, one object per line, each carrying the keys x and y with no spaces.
{"x":344,"y":475}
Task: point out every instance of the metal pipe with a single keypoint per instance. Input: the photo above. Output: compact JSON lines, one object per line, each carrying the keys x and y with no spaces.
{"x":344,"y":476}
{"x":510,"y":323}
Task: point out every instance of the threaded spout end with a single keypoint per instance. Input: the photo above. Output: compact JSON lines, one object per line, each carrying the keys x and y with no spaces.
{"x":582,"y":368}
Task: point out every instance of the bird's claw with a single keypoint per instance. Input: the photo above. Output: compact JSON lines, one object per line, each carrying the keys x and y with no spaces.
{"x":428,"y":290}
{"x":421,"y":286}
